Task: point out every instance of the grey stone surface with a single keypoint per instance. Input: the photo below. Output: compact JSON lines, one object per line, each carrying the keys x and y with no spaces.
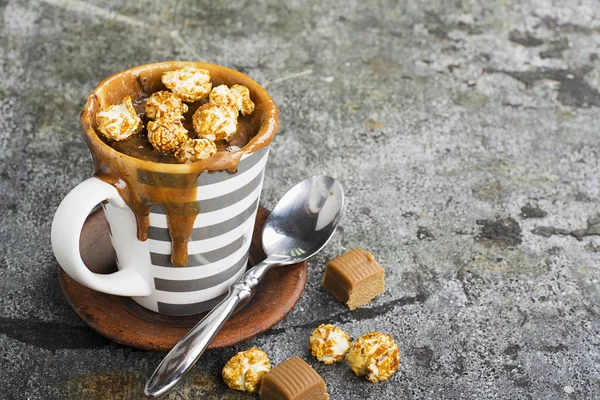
{"x":443,"y":119}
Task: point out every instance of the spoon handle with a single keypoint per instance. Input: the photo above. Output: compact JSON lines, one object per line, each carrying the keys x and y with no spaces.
{"x":189,"y":349}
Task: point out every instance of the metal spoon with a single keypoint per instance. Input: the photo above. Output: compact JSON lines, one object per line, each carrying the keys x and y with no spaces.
{"x":299,"y":226}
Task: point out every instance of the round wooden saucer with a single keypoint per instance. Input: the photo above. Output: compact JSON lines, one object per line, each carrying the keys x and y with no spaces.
{"x":124,"y":321}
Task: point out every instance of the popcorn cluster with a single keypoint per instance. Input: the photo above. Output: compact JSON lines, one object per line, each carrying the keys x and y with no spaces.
{"x":118,"y":122}
{"x":245,"y":370}
{"x":329,"y":343}
{"x":375,"y":356}
{"x":215,"y":120}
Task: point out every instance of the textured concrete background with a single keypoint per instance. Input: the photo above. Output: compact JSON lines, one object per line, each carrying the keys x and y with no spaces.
{"x":465,"y":134}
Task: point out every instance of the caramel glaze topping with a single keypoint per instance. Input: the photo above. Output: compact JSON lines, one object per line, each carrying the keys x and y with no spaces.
{"x":143,"y":176}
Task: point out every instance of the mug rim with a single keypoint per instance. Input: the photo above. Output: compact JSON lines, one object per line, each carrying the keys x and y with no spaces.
{"x":262,"y":138}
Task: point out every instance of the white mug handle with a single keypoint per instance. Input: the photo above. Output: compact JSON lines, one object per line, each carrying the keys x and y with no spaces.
{"x":66,"y":230}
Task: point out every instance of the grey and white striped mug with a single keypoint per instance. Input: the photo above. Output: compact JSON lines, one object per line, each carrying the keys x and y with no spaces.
{"x":220,"y":240}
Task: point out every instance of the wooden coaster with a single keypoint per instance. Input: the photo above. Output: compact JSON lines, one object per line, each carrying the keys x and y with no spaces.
{"x":124,"y":321}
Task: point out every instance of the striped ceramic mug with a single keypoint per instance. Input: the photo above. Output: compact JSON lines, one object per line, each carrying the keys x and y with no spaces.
{"x":219,"y":242}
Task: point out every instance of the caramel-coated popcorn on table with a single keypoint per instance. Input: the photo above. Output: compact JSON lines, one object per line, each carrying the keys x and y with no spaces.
{"x":195,"y":150}
{"x":245,"y":370}
{"x":118,"y":122}
{"x":188,"y":83}
{"x":374,"y":355}
{"x":167,"y":135}
{"x":329,"y":344}
{"x":164,"y":104}
{"x":215,"y":122}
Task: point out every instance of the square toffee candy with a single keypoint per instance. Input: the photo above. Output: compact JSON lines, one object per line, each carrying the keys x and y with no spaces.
{"x":355,"y":278}
{"x":293,"y":379}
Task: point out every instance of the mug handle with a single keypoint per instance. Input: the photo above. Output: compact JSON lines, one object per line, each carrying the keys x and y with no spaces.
{"x":66,"y":230}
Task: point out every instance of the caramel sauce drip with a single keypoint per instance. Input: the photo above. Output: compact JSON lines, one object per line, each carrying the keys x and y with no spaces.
{"x":144,"y":177}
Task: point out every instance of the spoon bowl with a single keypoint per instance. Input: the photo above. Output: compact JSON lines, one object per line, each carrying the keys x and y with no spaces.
{"x":303,"y":220}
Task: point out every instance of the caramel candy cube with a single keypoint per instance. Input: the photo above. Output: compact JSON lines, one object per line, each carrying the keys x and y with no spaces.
{"x":354,"y":278}
{"x":293,"y":379}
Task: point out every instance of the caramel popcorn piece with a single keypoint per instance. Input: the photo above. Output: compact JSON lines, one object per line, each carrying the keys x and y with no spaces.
{"x":224,"y":96}
{"x":188,"y":83}
{"x":215,"y":122}
{"x":164,"y":104}
{"x":329,"y":343}
{"x":236,"y":97}
{"x":375,"y":356}
{"x":167,"y":135}
{"x":245,"y":104}
{"x":118,"y":122}
{"x":245,"y":370}
{"x":354,"y":278}
{"x":196,"y":149}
